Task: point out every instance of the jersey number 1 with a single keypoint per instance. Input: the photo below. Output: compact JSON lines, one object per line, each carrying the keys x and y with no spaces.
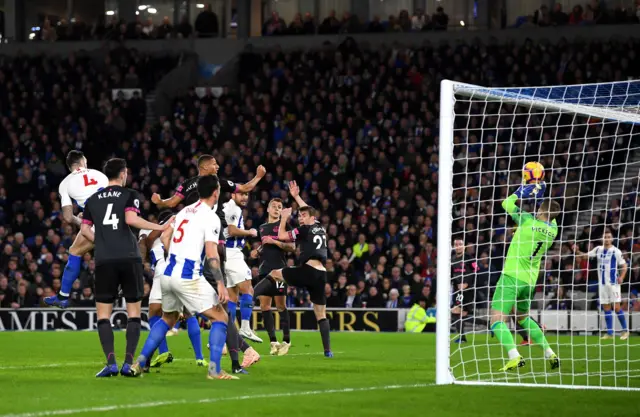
{"x":89,"y":181}
{"x":180,"y":230}
{"x":110,"y":219}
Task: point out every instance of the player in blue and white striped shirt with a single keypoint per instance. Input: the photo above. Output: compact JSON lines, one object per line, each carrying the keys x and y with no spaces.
{"x":612,"y":269}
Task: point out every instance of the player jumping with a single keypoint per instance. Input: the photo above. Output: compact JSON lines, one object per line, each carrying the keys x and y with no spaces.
{"x":77,"y":187}
{"x":272,"y":255}
{"x":189,"y":279}
{"x":311,"y":274}
{"x":516,"y":287}
{"x":609,"y":281}
{"x":150,"y":242}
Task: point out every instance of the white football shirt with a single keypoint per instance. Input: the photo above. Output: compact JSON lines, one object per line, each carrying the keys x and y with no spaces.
{"x":609,"y":260}
{"x":194,"y":225}
{"x":81,"y":184}
{"x":233,"y":216}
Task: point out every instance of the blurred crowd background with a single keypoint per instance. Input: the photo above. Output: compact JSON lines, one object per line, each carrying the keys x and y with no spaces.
{"x":356,"y":127}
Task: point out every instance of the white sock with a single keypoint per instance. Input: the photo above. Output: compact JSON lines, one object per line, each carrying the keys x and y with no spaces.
{"x":548,"y":353}
{"x":245,"y":325}
{"x":513,"y":353}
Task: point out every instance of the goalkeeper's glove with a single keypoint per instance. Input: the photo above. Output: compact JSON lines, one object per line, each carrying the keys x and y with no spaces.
{"x":531,"y":191}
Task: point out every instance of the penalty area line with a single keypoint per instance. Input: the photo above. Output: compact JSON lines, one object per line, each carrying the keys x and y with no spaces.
{"x":107,"y":408}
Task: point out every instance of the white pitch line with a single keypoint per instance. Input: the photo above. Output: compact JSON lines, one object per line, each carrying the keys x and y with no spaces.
{"x":60,"y":365}
{"x":210,"y":400}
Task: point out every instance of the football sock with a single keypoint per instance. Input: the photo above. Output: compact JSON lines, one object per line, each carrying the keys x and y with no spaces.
{"x":535,"y":332}
{"x":71,"y":272}
{"x":232,"y":336}
{"x":608,"y":318}
{"x":217,"y":338}
{"x":622,"y":319}
{"x":456,"y":321}
{"x":193,"y":329}
{"x":177,"y":326}
{"x":522,"y":332}
{"x":503,"y":334}
{"x":156,"y":334}
{"x":133,"y":337}
{"x":286,"y":327}
{"x":163,"y":348}
{"x":246,"y":307}
{"x":105,"y":333}
{"x":324,"y":333}
{"x":269,"y":325}
{"x":243,"y":344}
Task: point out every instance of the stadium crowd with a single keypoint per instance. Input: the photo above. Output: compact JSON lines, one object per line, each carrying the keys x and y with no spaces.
{"x":357,"y":129}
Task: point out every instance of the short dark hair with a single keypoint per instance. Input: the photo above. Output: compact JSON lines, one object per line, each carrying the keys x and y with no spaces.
{"x":74,"y":157}
{"x":114,"y":167}
{"x":207,"y":185}
{"x":552,"y":207}
{"x":164,"y":216}
{"x":309,"y":210}
{"x":203,"y":159}
{"x":276,"y":200}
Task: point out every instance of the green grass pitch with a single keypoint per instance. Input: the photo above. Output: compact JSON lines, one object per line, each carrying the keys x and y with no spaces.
{"x":373,"y":374}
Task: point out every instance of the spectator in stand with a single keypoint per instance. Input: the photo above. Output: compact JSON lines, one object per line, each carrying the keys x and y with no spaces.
{"x":542,"y":17}
{"x":406,"y":300}
{"x":275,"y":26}
{"x":404,"y":21}
{"x":440,"y":19}
{"x":393,"y":25}
{"x":374,"y":299}
{"x":48,"y":32}
{"x":576,"y":16}
{"x":330,"y":25}
{"x":206,"y":24}
{"x":165,"y":30}
{"x":149,"y":28}
{"x":184,"y":29}
{"x":296,"y":27}
{"x":375,"y":26}
{"x":419,"y":21}
{"x":350,"y":23}
{"x":393,"y":301}
{"x":353,"y":299}
{"x":309,"y":24}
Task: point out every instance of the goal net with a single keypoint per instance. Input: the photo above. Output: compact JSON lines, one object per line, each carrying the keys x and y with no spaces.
{"x":586,"y":137}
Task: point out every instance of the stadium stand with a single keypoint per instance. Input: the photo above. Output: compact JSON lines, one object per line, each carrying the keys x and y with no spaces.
{"x":356,"y":127}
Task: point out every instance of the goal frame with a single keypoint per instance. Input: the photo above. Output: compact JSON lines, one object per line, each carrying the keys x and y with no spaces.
{"x":587,"y":100}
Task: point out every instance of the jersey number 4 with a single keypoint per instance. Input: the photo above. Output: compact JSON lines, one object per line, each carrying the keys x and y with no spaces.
{"x":89,"y":181}
{"x":180,"y":230}
{"x":110,"y":219}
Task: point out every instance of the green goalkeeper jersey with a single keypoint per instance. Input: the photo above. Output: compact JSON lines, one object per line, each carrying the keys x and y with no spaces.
{"x":531,"y":241}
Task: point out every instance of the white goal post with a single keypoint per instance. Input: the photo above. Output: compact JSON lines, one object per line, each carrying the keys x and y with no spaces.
{"x":588,"y":139}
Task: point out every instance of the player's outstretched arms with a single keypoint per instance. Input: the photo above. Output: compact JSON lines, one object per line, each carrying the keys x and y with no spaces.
{"x":171,"y":202}
{"x":132,"y":219}
{"x":283,"y":235}
{"x":67,"y":216}
{"x":294,"y":190}
{"x":212,"y":271}
{"x":249,"y":186}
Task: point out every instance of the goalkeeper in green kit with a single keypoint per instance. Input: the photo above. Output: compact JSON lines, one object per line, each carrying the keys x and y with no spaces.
{"x":516,"y":287}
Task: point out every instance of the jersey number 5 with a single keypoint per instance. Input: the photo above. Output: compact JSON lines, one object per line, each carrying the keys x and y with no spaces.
{"x":180,"y":230}
{"x":320,"y":240}
{"x":89,"y":181}
{"x":110,"y":219}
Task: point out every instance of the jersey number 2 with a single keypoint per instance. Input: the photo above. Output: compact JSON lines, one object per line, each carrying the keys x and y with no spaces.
{"x":180,"y":230}
{"x":535,"y":252}
{"x":110,"y":219}
{"x":89,"y":181}
{"x":320,"y":240}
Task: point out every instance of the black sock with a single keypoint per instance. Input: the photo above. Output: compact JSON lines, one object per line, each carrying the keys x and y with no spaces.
{"x":286,"y":327}
{"x":324,"y":333}
{"x":456,"y":322}
{"x":243,"y":344}
{"x":522,"y":332}
{"x":263,"y":287}
{"x":269,"y":325}
{"x":133,"y":336}
{"x":105,"y":332}
{"x":232,"y":342}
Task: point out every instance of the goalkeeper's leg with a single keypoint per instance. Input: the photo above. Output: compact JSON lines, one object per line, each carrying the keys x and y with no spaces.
{"x":538,"y":337}
{"x":502,"y":304}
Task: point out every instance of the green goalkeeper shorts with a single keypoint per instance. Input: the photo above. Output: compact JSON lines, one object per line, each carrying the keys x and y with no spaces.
{"x":510,"y":293}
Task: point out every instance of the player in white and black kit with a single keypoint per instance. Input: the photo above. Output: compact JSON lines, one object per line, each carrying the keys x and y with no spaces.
{"x":76,"y":188}
{"x":273,"y":255}
{"x":311,"y":238}
{"x":113,"y":211}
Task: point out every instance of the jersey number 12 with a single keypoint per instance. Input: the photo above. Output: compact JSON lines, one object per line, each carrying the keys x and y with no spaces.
{"x":110,"y":219}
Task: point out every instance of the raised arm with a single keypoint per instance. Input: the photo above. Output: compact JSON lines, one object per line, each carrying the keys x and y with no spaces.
{"x":171,"y":202}
{"x":133,"y":220}
{"x":67,"y":206}
{"x":249,"y":186}
{"x":237,"y":232}
{"x":294,"y":190}
{"x":283,"y":235}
